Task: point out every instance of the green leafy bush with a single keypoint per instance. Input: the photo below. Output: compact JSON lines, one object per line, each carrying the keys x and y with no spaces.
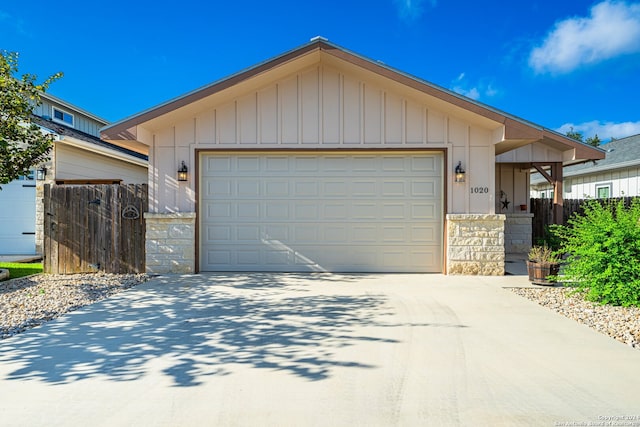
{"x":603,"y":247}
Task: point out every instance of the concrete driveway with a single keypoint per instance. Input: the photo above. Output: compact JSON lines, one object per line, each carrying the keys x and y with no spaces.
{"x":316,"y":350}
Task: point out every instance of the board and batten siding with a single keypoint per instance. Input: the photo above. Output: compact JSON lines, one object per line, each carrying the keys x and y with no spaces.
{"x":321,"y":107}
{"x":624,"y":183}
{"x":81,"y":122}
{"x":75,"y":163}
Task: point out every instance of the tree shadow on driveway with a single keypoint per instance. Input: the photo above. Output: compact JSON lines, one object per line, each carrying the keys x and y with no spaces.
{"x":201,"y":326}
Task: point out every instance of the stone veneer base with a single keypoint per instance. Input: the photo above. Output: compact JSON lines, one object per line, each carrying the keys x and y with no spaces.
{"x":517,"y":233}
{"x":475,"y":244}
{"x":170,"y":242}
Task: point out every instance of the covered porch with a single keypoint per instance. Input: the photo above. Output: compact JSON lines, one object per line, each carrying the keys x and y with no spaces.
{"x":547,"y":154}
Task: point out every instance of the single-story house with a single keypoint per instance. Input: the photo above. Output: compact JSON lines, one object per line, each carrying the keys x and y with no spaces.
{"x":618,"y":175}
{"x":323,"y":160}
{"x":79,"y":156}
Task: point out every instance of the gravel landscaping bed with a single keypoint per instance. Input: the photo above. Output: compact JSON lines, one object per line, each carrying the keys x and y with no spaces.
{"x":620,"y":323}
{"x":32,"y":301}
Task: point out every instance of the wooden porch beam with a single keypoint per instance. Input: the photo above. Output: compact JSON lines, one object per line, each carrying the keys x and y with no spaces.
{"x":555,"y":179}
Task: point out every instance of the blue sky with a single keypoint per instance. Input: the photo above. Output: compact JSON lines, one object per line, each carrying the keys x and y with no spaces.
{"x":559,"y":64}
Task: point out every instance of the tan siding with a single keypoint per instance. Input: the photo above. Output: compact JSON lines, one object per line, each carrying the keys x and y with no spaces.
{"x":288,"y":97}
{"x":206,"y":127}
{"x":327,"y":107}
{"x":351,"y":110}
{"x":372,"y":115}
{"x":331,"y":102}
{"x":436,"y":126}
{"x":226,"y":123}
{"x":76,"y":163}
{"x":393,"y":119}
{"x":248,"y":120}
{"x":414,"y":123}
{"x":310,"y":107}
{"x":268,"y":115}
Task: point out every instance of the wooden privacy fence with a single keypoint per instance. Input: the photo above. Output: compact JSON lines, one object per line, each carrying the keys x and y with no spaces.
{"x":542,"y":213}
{"x":89,"y":228}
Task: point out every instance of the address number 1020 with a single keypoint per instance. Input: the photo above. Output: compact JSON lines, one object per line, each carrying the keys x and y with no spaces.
{"x":479,"y":190}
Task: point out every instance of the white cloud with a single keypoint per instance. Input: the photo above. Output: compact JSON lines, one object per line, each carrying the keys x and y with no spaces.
{"x":604,"y":130}
{"x":461,"y":86}
{"x":411,"y":10}
{"x":611,"y":29}
{"x":472,"y":93}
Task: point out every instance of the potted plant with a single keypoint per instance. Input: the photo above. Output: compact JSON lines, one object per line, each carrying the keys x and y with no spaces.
{"x":543,"y":262}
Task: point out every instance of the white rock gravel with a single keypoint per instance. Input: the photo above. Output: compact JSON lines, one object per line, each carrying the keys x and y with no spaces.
{"x":31,"y":301}
{"x":620,"y":323}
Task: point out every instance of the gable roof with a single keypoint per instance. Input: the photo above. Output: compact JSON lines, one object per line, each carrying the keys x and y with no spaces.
{"x":621,"y":153}
{"x":63,"y":131}
{"x":517,"y":132}
{"x":73,"y":108}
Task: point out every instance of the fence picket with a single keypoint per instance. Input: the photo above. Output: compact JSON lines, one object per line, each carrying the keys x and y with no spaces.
{"x":85,"y":231}
{"x":542,"y":213}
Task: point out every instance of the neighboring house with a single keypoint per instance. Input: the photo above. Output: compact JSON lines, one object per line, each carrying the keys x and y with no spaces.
{"x":79,"y":156}
{"x":618,"y":175}
{"x":324,"y":160}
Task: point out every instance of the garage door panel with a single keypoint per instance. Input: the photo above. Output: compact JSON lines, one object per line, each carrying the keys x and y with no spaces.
{"x":277,"y":211}
{"x":277,"y":164}
{"x":321,"y":212}
{"x":423,"y":189}
{"x":248,"y":210}
{"x":424,"y":211}
{"x":335,"y":211}
{"x":248,"y":164}
{"x":423,"y":233}
{"x":334,"y":188}
{"x":304,"y":210}
{"x":220,"y":233}
{"x":219,"y":210}
{"x":306,"y":188}
{"x":248,"y":188}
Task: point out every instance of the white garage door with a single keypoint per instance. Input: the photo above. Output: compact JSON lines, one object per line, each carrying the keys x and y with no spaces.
{"x":18,"y":218}
{"x":351,"y":212}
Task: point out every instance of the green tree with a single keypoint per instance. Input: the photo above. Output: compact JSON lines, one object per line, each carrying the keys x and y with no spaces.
{"x":22,"y":143}
{"x":593,"y":140}
{"x":575,"y":135}
{"x":578,"y":136}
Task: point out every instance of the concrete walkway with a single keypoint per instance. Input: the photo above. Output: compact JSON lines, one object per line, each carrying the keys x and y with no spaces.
{"x":316,"y":350}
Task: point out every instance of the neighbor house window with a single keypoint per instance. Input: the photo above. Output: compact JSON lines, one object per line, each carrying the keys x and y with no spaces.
{"x":603,"y":191}
{"x":62,"y":116}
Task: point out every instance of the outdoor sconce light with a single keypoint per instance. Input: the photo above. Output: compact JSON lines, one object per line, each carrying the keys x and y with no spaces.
{"x":41,"y":174}
{"x":459,"y":173}
{"x":183,"y":172}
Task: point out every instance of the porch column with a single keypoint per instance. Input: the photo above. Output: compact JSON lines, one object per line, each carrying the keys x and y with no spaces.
{"x":558,"y":198}
{"x":554,"y":179}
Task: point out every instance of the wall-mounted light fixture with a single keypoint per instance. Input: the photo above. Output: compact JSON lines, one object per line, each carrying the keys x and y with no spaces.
{"x":183,"y":172}
{"x":41,"y":174}
{"x":460,"y":173}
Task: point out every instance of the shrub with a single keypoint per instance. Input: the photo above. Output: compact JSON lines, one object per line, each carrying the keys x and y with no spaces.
{"x":543,"y":255}
{"x":603,"y":247}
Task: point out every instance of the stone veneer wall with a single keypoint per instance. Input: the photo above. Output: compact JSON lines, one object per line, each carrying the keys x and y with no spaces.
{"x":475,"y":244}
{"x":40,"y":217}
{"x":170,"y":242}
{"x":517,"y":233}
